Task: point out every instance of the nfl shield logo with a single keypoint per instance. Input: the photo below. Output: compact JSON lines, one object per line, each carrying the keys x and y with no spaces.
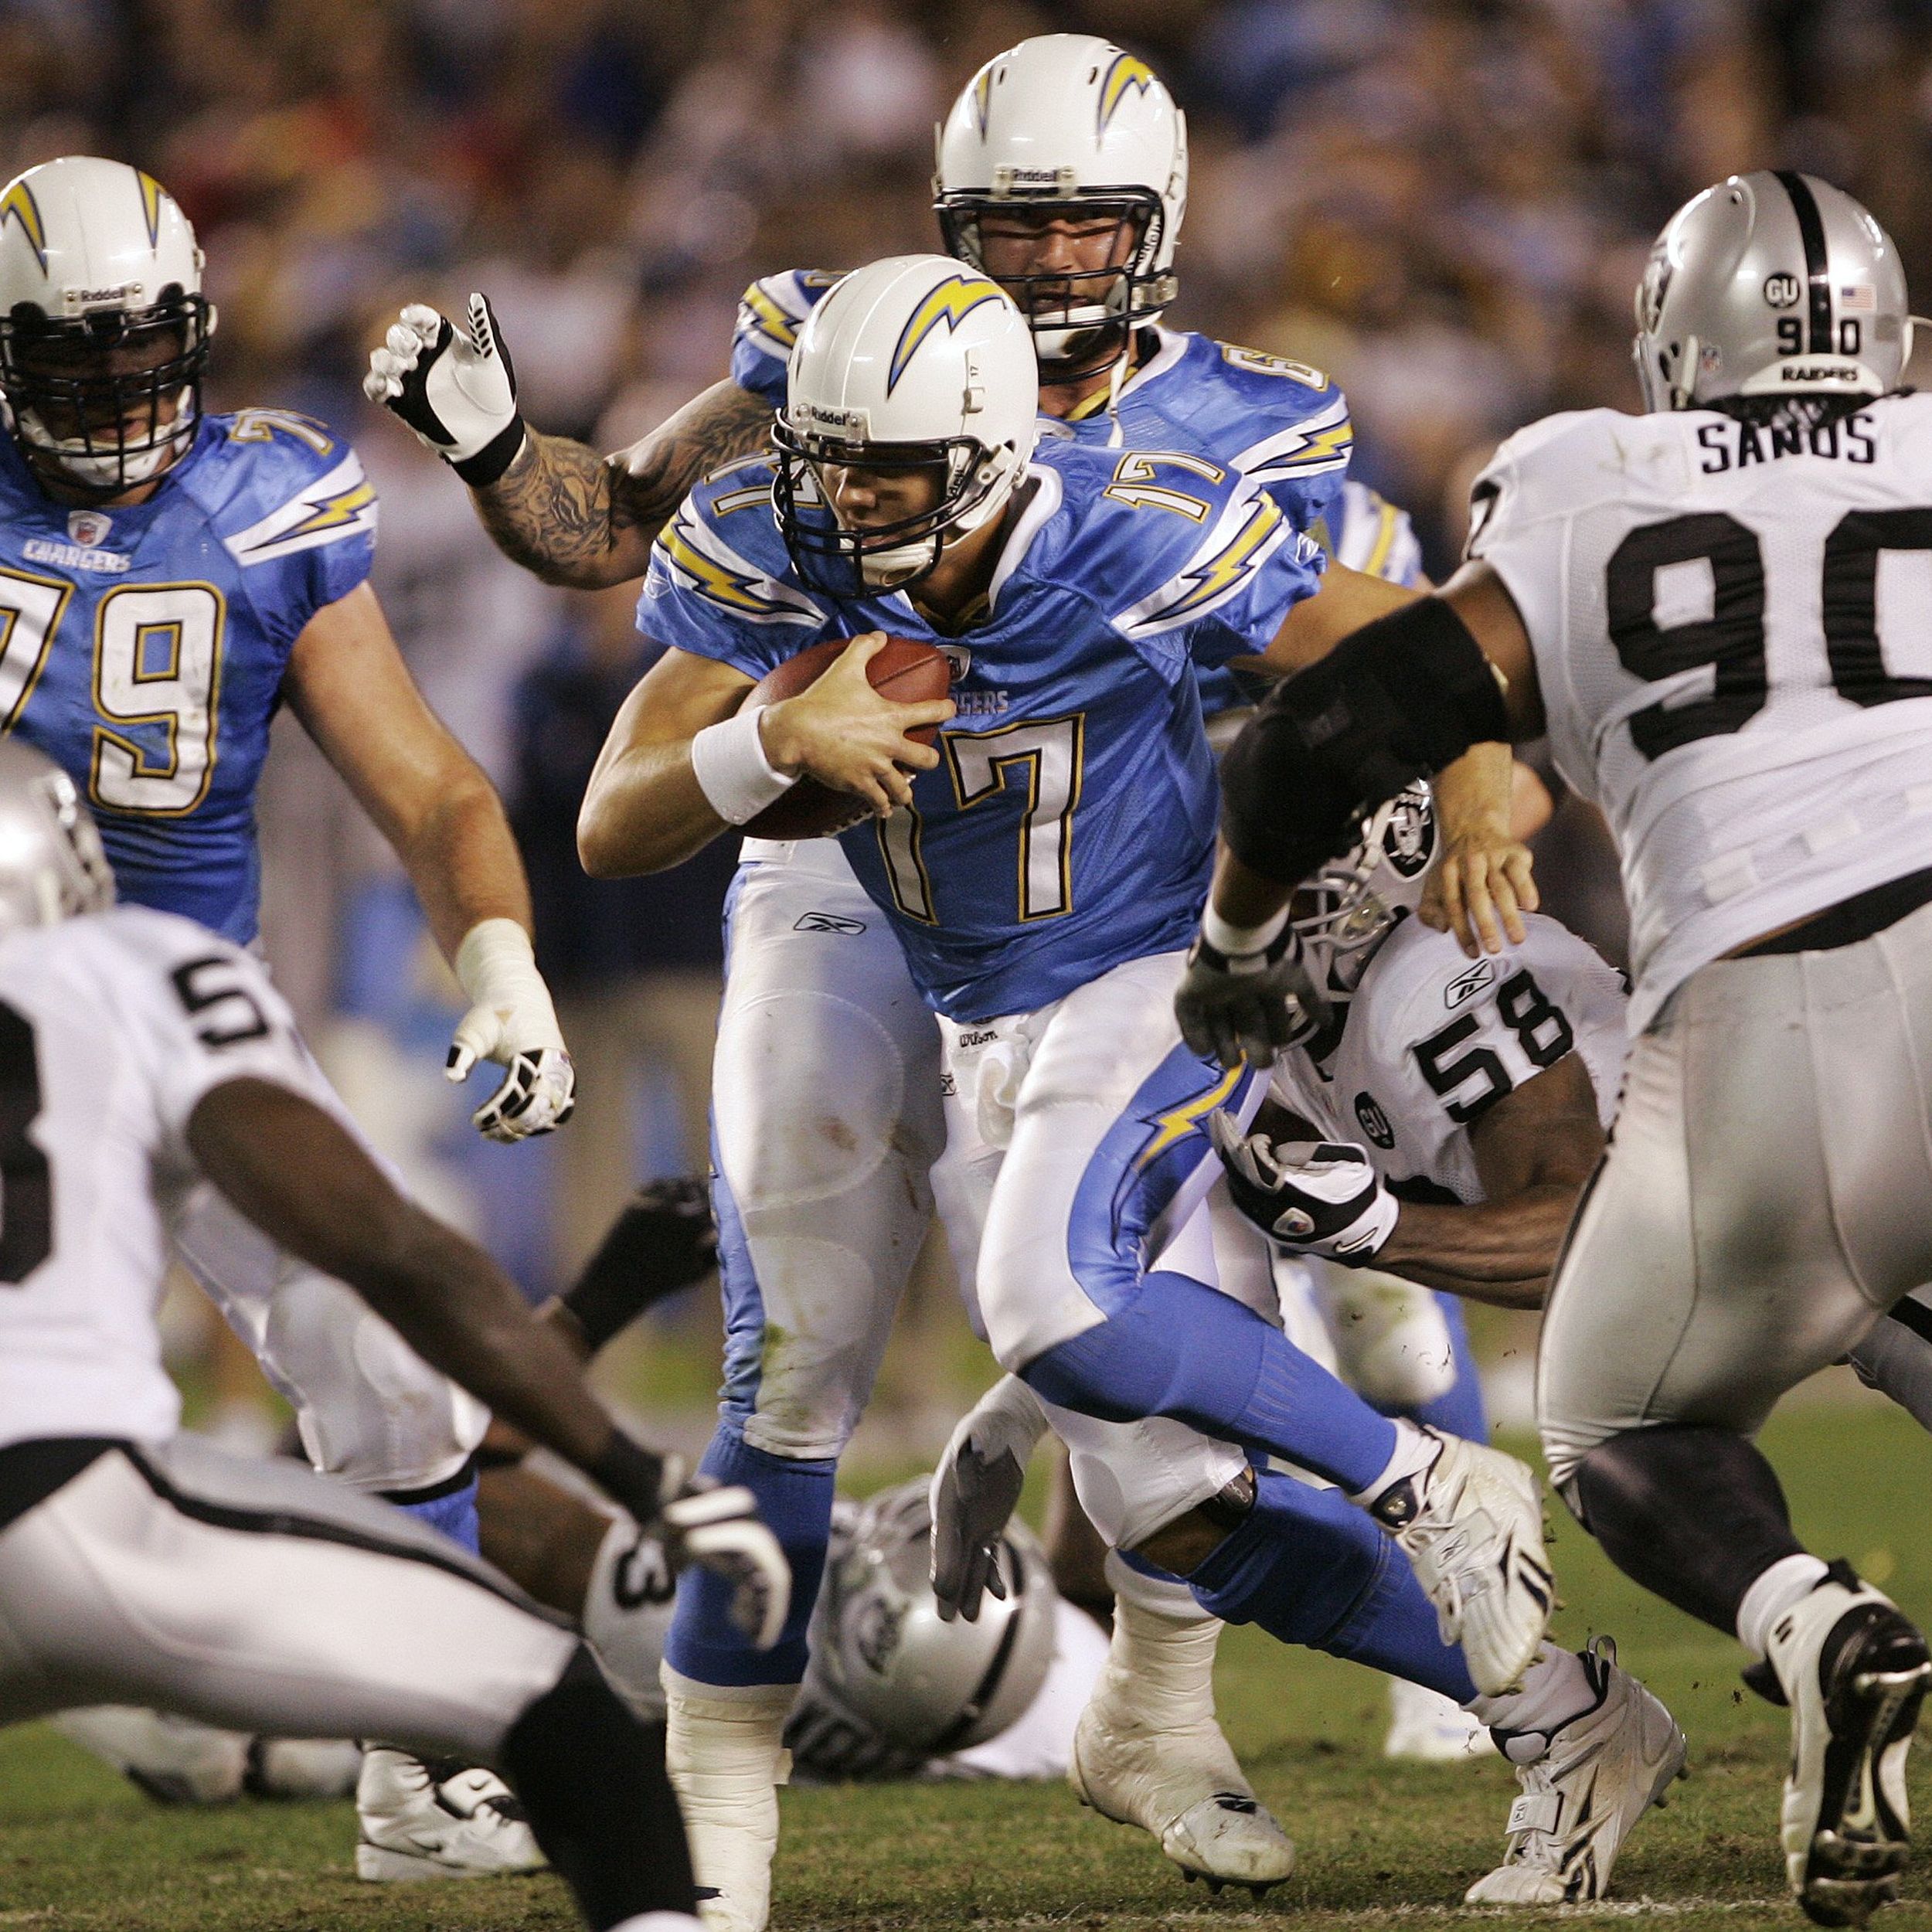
{"x":89,"y":528}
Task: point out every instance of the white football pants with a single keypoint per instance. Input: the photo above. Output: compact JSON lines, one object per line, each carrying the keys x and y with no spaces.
{"x":1767,"y":1194}
{"x":256,"y":1596}
{"x":825,"y":1115}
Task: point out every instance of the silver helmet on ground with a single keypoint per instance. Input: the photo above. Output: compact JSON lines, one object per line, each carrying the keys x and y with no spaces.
{"x":890,"y":1685}
{"x":1770,"y":284}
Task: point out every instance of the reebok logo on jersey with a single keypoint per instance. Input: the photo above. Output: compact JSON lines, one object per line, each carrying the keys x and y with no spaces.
{"x":829,"y":922}
{"x":73,"y":556}
{"x":1468,"y":983}
{"x":1375,"y":1123}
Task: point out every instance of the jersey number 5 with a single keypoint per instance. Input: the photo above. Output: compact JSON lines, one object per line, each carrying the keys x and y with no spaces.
{"x":27,"y":1181}
{"x":1731,"y":640}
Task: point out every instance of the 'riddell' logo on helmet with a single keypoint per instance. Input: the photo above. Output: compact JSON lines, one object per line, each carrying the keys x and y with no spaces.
{"x":851,"y":426}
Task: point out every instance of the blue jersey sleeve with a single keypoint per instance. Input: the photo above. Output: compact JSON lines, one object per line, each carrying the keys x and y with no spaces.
{"x":1204,"y":589}
{"x":297,"y":513}
{"x":720,"y":584}
{"x":770,"y":315}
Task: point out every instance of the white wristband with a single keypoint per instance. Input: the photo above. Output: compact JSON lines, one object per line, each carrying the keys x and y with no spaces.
{"x":1237,"y":941}
{"x":496,"y":967}
{"x":729,"y":762}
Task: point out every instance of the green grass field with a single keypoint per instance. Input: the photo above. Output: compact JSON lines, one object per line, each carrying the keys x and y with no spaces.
{"x":1381,"y":1846}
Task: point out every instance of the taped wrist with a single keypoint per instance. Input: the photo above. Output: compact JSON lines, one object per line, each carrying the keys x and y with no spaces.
{"x":728,"y":760}
{"x":487,"y":466}
{"x":1396,"y":700}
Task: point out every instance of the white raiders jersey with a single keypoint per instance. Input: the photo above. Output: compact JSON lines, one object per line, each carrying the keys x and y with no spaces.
{"x":112,"y":1028}
{"x":1732,"y":629}
{"x":1433,"y":1039}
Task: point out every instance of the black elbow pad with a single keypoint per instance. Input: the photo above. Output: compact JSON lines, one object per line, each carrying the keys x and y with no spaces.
{"x":1393,"y":702}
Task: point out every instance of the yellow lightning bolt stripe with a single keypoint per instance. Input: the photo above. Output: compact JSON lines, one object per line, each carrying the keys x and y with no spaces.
{"x":772,"y":319}
{"x":983,"y":97}
{"x":20,"y":206}
{"x":1214,"y":576}
{"x":715,"y":580}
{"x":152,"y":194}
{"x":1180,"y":1122}
{"x":1324,"y":447}
{"x":950,"y":302}
{"x":332,"y":512}
{"x":1125,"y":72}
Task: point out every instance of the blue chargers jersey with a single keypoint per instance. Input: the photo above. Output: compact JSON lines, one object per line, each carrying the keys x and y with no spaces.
{"x":1280,"y":424}
{"x":1070,"y":825}
{"x":143,"y":648}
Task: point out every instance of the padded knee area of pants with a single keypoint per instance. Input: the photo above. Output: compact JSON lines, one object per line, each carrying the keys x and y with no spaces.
{"x":593,"y":1781}
{"x":1694,"y":1514}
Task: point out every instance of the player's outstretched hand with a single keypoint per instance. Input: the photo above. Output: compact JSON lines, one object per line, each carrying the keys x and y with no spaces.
{"x":454,"y":387}
{"x":1313,"y":1197}
{"x":1237,"y":1006}
{"x":719,"y":1528}
{"x":1479,"y":890}
{"x":511,"y":1021}
{"x":842,"y":732}
{"x":974,"y":1491}
{"x":701,"y":1523}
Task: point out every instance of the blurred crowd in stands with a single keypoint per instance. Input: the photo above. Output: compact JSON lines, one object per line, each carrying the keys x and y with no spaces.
{"x":1445,"y":202}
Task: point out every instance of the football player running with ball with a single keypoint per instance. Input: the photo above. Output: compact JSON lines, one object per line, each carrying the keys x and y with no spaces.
{"x":821,"y":1012}
{"x":167,"y":580}
{"x":1037,"y":868}
{"x":1692,"y":602}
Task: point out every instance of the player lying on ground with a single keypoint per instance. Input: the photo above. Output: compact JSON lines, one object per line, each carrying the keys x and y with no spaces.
{"x":170,"y":578}
{"x":1648,"y":590}
{"x":145,"y":1053}
{"x":1053,"y":978}
{"x":821,"y":1018}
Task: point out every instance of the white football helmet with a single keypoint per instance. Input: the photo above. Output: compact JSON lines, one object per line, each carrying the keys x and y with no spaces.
{"x":1069,"y":119}
{"x":1342,"y":914}
{"x":917,"y":366}
{"x":883,"y":1660}
{"x":104,"y":329}
{"x":51,"y":866}
{"x":1770,"y":284}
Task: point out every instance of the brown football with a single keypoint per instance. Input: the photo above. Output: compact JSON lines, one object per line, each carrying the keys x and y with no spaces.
{"x":903,"y":669}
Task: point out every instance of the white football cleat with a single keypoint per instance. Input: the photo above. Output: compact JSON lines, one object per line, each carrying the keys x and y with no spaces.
{"x":1427,"y":1727}
{"x":1147,"y":1751}
{"x":1472,"y":1525}
{"x":175,"y":1760}
{"x":1601,"y":1772}
{"x":725,"y":1754}
{"x":438,"y":1819}
{"x":1854,"y":1672}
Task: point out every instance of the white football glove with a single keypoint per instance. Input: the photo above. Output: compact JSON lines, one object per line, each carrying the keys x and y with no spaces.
{"x":974,"y":1491}
{"x":719,"y":1529}
{"x":1311,"y":1197}
{"x":455,"y":388}
{"x":512,"y":1021}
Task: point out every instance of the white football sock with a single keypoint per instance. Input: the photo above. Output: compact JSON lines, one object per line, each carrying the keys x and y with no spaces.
{"x":1164,"y":1595}
{"x":1159,"y":1671}
{"x":1555,"y":1688}
{"x":725,"y":1750}
{"x":1415,"y":1449}
{"x":1774,"y":1592}
{"x":661,"y":1922}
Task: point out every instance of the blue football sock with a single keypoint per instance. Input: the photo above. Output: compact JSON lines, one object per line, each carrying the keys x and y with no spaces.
{"x":795,"y":1499}
{"x":1175,"y":1348}
{"x":1310,"y":1568}
{"x":453,"y":1514}
{"x":1459,"y":1411}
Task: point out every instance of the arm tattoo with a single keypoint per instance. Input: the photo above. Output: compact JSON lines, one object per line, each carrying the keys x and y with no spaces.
{"x":575,"y":518}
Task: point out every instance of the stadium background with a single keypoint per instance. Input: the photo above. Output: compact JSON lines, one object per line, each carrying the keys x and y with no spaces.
{"x":1445,"y":202}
